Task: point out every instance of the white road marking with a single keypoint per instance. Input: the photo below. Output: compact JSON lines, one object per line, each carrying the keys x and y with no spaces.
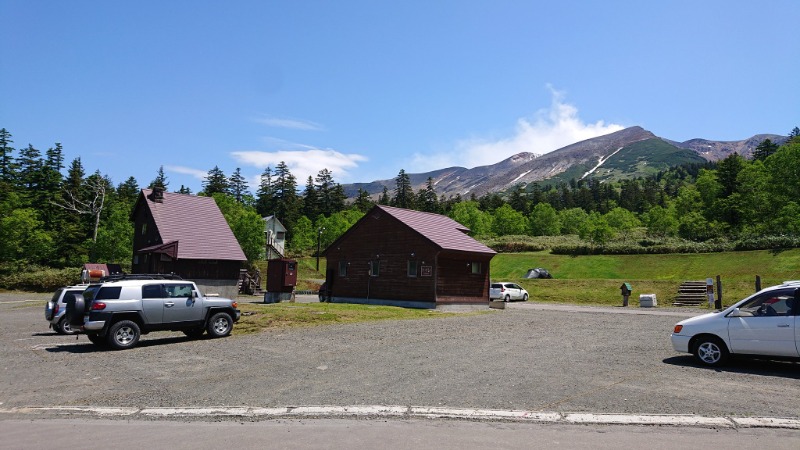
{"x":421,"y":412}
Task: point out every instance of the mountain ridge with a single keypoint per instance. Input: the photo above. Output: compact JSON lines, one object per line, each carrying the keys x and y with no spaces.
{"x":632,"y":151}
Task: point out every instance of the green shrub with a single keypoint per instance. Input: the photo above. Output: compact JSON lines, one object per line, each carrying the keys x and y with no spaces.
{"x":38,"y":279}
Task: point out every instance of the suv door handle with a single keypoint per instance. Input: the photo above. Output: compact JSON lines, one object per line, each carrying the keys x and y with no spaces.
{"x":783,"y":325}
{"x":169,"y":304}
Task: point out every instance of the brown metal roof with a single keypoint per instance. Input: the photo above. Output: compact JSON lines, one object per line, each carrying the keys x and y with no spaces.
{"x":441,"y":230}
{"x":195,"y":223}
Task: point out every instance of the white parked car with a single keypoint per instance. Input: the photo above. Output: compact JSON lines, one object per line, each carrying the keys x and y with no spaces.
{"x":764,"y":324}
{"x":506,"y":292}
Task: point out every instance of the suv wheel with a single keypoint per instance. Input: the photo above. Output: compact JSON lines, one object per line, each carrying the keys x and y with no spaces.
{"x":63,"y":326}
{"x":220,"y":325}
{"x":123,"y":335}
{"x":97,"y":340}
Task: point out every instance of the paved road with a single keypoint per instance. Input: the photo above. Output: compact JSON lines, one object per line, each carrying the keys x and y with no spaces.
{"x":365,"y":434}
{"x":528,"y":357}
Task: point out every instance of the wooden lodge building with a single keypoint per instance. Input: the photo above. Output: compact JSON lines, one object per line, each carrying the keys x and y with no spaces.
{"x":186,"y":235}
{"x":395,"y":256}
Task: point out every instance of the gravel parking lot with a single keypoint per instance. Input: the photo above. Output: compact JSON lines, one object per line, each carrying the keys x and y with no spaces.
{"x":518,"y":358}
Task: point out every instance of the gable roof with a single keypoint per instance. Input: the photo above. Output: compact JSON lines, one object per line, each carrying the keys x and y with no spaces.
{"x":194,"y":223}
{"x":272,"y":223}
{"x":442,"y":231}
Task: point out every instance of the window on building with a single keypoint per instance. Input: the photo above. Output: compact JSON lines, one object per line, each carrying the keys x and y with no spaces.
{"x":476,"y":268}
{"x":144,"y":228}
{"x":342,"y":268}
{"x":374,"y":268}
{"x":412,"y":268}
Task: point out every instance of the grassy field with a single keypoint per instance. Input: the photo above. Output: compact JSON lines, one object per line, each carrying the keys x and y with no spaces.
{"x":257,"y":317}
{"x":596,"y":279}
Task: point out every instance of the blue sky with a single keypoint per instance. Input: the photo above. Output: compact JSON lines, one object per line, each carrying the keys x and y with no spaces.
{"x":366,"y":88}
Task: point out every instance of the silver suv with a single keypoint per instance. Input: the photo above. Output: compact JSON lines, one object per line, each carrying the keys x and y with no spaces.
{"x":55,"y":309}
{"x":118,"y":311}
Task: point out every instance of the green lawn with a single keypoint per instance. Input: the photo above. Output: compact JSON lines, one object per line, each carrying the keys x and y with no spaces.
{"x":596,"y":279}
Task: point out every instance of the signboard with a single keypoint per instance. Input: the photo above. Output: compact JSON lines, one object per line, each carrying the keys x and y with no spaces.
{"x":426,"y":271}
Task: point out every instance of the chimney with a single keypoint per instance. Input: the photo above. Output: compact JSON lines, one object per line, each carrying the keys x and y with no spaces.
{"x":158,"y":194}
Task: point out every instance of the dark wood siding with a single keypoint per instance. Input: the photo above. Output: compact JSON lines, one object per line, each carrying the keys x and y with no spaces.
{"x":457,"y":283}
{"x":392,"y":244}
{"x":441,"y":277}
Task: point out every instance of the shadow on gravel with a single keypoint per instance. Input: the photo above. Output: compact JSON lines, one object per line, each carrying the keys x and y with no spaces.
{"x":84,"y":346}
{"x":751,"y":366}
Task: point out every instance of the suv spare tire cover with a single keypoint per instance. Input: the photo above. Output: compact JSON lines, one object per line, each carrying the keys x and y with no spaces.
{"x":76,"y":308}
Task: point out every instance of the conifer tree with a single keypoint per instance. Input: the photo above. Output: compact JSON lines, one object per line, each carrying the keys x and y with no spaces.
{"x":215,"y":182}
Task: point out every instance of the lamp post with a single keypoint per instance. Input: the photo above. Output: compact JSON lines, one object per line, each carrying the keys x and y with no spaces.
{"x":319,"y":236}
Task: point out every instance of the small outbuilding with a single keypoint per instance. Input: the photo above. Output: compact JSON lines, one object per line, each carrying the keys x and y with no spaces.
{"x":186,"y":235}
{"x":395,"y":256}
{"x":275,"y":233}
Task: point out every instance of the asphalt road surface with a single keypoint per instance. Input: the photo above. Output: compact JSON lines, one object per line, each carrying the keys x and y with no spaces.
{"x":526,"y":357}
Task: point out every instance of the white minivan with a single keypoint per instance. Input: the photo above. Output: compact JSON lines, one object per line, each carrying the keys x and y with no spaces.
{"x":763,"y":324}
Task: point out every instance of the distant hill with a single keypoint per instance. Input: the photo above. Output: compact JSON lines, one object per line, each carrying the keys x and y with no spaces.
{"x":631,"y":152}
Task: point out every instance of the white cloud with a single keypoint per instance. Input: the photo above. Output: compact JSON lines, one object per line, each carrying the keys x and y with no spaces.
{"x":294,"y":124}
{"x":304,"y":163}
{"x":196,"y":173}
{"x":549,"y":129}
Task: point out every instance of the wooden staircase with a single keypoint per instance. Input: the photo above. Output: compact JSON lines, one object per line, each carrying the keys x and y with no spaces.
{"x":691,"y":293}
{"x":250,"y":284}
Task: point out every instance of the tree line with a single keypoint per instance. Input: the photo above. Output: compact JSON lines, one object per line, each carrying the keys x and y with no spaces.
{"x":60,"y":218}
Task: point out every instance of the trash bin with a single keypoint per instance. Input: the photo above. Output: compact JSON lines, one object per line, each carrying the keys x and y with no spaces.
{"x":647,"y":300}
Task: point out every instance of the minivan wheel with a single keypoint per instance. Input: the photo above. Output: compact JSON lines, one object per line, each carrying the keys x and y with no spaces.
{"x":123,"y":335}
{"x":220,"y":325}
{"x":711,"y":351}
{"x":63,"y":326}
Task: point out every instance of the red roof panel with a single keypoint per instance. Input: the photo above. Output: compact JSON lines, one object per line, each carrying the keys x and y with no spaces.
{"x":441,"y":230}
{"x":196,"y":223}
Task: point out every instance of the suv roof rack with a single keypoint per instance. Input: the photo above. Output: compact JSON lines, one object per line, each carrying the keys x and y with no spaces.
{"x":140,"y":276}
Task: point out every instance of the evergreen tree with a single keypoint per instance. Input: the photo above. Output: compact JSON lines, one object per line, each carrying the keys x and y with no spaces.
{"x":384,"y":197}
{"x":265,"y":204}
{"x":6,"y":161}
{"x":428,"y":201}
{"x":128,"y":191}
{"x":764,"y":149}
{"x":50,"y":187}
{"x":363,"y":202}
{"x":160,"y":180}
{"x":215,"y":182}
{"x":794,"y":135}
{"x":403,"y":193}
{"x":310,"y":199}
{"x":184,"y":190}
{"x":30,"y":165}
{"x":329,"y":193}
{"x":237,"y":186}
{"x":519,"y":200}
{"x":287,"y":202}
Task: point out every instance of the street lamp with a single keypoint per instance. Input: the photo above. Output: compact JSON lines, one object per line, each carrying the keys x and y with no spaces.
{"x":319,"y":236}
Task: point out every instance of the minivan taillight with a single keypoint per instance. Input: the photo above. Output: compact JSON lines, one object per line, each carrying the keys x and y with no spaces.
{"x":98,"y":306}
